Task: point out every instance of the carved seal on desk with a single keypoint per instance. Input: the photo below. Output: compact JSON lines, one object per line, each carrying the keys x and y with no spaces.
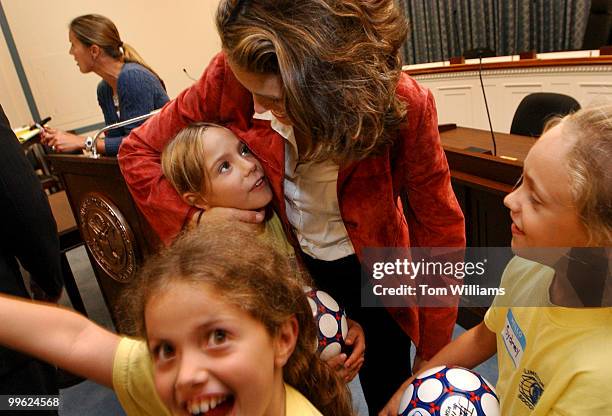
{"x":108,"y":236}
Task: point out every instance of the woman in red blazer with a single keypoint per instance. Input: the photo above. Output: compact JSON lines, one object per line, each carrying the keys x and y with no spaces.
{"x":315,"y":88}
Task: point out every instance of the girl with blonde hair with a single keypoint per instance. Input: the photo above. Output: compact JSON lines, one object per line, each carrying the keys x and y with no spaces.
{"x":552,"y":330}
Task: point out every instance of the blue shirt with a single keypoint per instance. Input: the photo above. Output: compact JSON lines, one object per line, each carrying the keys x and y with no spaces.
{"x":139,"y":92}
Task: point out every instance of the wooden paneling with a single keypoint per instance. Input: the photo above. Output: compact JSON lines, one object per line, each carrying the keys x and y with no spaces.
{"x":459,"y":97}
{"x":83,"y":176}
{"x":530,"y":63}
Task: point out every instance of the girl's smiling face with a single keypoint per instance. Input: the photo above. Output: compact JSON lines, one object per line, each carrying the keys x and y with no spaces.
{"x":542,"y":209}
{"x":235,"y":178}
{"x":212,"y":358}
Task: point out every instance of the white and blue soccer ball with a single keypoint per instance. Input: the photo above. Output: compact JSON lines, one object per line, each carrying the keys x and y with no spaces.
{"x":449,"y":391}
{"x":330,"y":319}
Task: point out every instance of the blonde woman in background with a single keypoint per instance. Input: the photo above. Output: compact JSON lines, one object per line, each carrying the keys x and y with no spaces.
{"x":129,"y":87}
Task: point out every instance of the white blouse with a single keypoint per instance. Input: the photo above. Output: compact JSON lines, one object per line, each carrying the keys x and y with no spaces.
{"x":311,"y":200}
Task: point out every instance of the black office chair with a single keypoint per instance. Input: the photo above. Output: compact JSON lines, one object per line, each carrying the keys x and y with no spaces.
{"x":36,"y":155}
{"x":535,"y":109}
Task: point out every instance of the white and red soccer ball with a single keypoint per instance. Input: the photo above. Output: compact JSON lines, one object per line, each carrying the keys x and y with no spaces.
{"x":330,"y":319}
{"x":449,"y":391}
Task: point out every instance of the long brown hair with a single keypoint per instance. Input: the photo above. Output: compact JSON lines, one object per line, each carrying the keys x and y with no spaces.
{"x":339,"y":62}
{"x":256,"y":280}
{"x":95,"y":29}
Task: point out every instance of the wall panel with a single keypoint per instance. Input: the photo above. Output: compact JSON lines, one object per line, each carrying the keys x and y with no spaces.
{"x":506,"y":87}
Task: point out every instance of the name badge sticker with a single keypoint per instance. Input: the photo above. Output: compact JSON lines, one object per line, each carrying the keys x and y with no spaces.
{"x":514,"y":338}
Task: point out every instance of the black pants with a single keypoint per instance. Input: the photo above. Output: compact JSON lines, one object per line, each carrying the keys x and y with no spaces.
{"x":387,"y":357}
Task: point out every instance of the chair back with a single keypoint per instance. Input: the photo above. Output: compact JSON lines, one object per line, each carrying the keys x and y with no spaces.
{"x":536,"y":109}
{"x":37,"y":156}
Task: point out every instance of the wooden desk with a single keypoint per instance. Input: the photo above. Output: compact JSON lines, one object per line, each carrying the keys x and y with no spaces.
{"x":480,"y":183}
{"x":511,"y":145}
{"x":482,"y":171}
{"x":116,"y":235}
{"x":62,"y":213}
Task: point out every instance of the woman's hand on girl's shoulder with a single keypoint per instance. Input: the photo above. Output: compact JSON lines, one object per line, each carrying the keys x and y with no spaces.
{"x":348,"y":366}
{"x":230,"y":214}
{"x":355,"y":339}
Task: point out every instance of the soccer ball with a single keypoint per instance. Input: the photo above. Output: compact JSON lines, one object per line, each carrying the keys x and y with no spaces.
{"x":449,"y":391}
{"x":330,"y":319}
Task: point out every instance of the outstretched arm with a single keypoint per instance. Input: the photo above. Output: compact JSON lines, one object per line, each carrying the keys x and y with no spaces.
{"x":58,"y":336}
{"x":470,"y":349}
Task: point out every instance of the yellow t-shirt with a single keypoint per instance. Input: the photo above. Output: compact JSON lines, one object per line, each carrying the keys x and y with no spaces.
{"x":552,"y":360}
{"x":133,"y":383}
{"x":298,"y":405}
{"x":133,"y":379}
{"x":275,"y":234}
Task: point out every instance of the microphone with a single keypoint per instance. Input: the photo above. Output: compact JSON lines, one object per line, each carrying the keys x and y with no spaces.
{"x":484,"y":95}
{"x":189,"y":76}
{"x":480,"y":52}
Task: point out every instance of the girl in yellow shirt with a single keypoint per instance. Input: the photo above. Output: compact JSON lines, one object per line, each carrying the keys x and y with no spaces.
{"x":553,"y":359}
{"x":227,"y":329}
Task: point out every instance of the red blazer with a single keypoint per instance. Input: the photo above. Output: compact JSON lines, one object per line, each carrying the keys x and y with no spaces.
{"x":368,"y":190}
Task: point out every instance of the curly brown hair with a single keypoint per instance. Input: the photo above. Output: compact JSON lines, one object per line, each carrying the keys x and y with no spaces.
{"x":339,"y":62}
{"x":257,"y":281}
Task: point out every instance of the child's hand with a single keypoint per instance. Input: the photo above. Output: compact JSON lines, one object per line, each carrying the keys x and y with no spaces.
{"x":392,"y":405}
{"x":233,"y":214}
{"x":348,"y":367}
{"x":356,"y":340}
